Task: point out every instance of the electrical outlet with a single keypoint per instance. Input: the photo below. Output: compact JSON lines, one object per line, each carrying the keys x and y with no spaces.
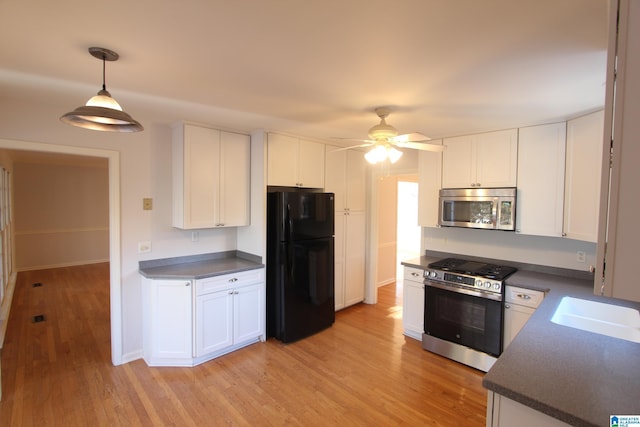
{"x":144,"y":247}
{"x":581,"y":256}
{"x":194,"y":236}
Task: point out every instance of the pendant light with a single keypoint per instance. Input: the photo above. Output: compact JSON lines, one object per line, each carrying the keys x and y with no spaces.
{"x":102,"y":112}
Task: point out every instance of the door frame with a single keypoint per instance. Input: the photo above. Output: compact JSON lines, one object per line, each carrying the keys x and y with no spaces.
{"x":115,"y":288}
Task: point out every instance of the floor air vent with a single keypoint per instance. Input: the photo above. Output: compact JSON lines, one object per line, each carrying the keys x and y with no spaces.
{"x":38,"y":318}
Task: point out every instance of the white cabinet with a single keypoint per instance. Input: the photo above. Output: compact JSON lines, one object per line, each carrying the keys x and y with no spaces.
{"x":504,"y":412}
{"x":189,"y":322}
{"x":346,"y":177}
{"x":167,"y":313}
{"x":413,"y":302}
{"x":429,"y":184}
{"x":211,"y":177}
{"x":620,"y":234}
{"x":482,"y":160}
{"x":519,"y":305}
{"x":294,"y":162}
{"x":541,"y":160}
{"x":585,"y":138}
{"x":229,"y":311}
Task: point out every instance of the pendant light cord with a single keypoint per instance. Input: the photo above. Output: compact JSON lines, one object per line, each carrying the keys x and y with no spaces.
{"x":104,"y":67}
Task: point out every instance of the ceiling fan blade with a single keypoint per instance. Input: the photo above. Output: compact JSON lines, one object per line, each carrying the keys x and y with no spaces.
{"x":424,"y":146}
{"x":354,"y":146}
{"x":411,"y":137}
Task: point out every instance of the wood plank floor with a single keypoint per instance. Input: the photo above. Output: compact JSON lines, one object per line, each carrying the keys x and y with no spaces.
{"x":360,"y":372}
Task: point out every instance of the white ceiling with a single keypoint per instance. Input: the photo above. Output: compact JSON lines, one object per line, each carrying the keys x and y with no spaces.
{"x":445,"y":67}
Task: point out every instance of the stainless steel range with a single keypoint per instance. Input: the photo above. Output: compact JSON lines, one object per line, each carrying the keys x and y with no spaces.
{"x":463,"y":315}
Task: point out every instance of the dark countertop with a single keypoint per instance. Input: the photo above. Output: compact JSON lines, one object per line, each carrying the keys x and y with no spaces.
{"x":575,"y":376}
{"x":199,"y":266}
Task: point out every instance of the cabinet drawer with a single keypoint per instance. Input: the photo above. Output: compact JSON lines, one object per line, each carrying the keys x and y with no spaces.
{"x":413,"y":274}
{"x":217,"y":283}
{"x":523,"y":296}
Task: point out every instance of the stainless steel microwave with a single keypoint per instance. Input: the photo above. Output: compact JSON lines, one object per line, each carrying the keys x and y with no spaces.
{"x":486,"y":208}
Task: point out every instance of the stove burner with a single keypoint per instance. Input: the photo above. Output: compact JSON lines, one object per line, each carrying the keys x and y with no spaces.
{"x":473,"y":268}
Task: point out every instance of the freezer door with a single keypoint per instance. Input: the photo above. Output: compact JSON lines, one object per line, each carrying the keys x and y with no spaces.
{"x":301,"y":215}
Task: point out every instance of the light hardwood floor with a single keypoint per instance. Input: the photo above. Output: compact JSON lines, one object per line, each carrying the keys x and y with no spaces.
{"x":360,"y":372}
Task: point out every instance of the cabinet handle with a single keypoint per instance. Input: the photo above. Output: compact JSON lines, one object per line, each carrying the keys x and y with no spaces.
{"x":524,"y":296}
{"x":415,"y":274}
{"x":507,"y":306}
{"x":236,"y":292}
{"x":233,"y":279}
{"x":230,"y":292}
{"x":187,"y":284}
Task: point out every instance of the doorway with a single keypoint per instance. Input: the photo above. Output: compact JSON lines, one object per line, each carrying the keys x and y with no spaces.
{"x":408,"y":231}
{"x":115,"y":291}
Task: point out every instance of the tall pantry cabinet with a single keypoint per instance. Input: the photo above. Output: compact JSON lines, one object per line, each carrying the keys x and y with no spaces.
{"x":619,"y":233}
{"x":346,"y":177}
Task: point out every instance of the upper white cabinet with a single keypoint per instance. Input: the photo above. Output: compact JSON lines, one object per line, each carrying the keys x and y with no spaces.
{"x":346,"y":178}
{"x":541,"y":159}
{"x":294,"y":162}
{"x":619,"y":233}
{"x":585,"y":138}
{"x":429,"y":184}
{"x":482,"y":160}
{"x":211,"y":177}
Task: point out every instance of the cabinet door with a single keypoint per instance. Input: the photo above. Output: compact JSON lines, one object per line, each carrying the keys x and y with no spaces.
{"x":248,"y":313}
{"x":339,"y":244}
{"x":310,"y":164}
{"x":413,"y":307}
{"x":235,"y":191}
{"x":585,"y":138}
{"x":335,"y":179}
{"x":497,"y":158}
{"x":458,"y":162}
{"x":282,"y":160}
{"x":201,"y":176}
{"x":355,"y":176}
{"x":541,"y":159}
{"x":169,"y":324}
{"x":355,"y":238}
{"x":515,"y":316}
{"x":430,"y":179}
{"x":214,"y":322}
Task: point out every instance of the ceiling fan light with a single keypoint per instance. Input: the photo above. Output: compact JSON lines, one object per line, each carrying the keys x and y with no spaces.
{"x":376,"y":154}
{"x":393,"y":154}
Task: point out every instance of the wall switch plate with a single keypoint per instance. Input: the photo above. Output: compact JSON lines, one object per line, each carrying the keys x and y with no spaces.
{"x":147,"y":203}
{"x":144,"y":247}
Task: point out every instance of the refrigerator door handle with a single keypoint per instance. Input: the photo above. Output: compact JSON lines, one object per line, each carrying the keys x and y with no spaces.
{"x":288,"y":224}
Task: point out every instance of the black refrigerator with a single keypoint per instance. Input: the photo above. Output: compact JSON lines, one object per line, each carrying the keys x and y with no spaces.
{"x":300,"y":264}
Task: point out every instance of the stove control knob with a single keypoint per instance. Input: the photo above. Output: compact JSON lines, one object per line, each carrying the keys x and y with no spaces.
{"x":479,"y":283}
{"x":496,"y":286}
{"x":433,"y":274}
{"x":487,"y":284}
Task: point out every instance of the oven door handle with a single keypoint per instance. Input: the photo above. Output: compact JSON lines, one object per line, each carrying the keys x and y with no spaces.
{"x":463,"y":290}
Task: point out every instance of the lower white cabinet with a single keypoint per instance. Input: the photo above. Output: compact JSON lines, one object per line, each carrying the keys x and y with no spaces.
{"x":519,"y":305}
{"x":503,"y":412}
{"x":189,"y":322}
{"x":413,"y":302}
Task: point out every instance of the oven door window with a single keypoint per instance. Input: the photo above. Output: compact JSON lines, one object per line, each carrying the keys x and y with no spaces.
{"x":473,"y":212}
{"x":471,"y":321}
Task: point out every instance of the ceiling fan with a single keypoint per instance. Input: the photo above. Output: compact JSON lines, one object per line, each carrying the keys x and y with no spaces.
{"x":383,"y":138}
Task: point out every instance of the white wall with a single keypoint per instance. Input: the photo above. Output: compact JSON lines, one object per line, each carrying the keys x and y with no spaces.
{"x":510,"y":246}
{"x":61,"y":214}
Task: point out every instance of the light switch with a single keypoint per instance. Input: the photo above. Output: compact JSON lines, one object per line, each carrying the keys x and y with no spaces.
{"x":147,"y":203}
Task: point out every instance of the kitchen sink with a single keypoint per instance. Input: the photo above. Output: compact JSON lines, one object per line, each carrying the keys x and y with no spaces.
{"x":601,"y":318}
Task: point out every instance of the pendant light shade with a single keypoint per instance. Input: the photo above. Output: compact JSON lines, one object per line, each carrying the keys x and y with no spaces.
{"x":102,"y":112}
